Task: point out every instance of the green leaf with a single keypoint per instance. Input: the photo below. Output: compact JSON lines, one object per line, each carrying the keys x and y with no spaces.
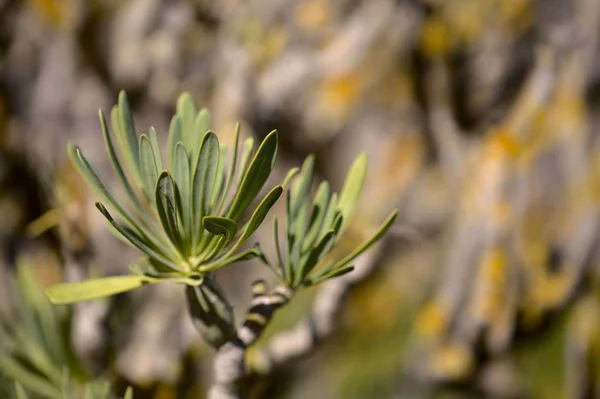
{"x":128,"y":393}
{"x":232,"y":169}
{"x":315,"y":256}
{"x":302,"y":186}
{"x":201,"y":126}
{"x":240,"y":256}
{"x":366,"y":245}
{"x":112,"y":155}
{"x":280,"y":264}
{"x":217,"y":190}
{"x":33,"y":382}
{"x":86,"y":170}
{"x":182,"y":179}
{"x":66,"y":384}
{"x":290,"y":174}
{"x":156,"y":148}
{"x":35,"y":304}
{"x":66,"y":293}
{"x":331,"y":274}
{"x":167,"y":211}
{"x":20,"y":391}
{"x":353,"y":186}
{"x":126,"y":136}
{"x":330,"y":214}
{"x":148,"y":167}
{"x":138,"y":242}
{"x":187,"y":110}
{"x":204,"y":176}
{"x":317,"y":216}
{"x":256,"y":176}
{"x":258,"y":216}
{"x":89,"y":174}
{"x":245,"y":160}
{"x":175,"y":136}
{"x":220,"y":226}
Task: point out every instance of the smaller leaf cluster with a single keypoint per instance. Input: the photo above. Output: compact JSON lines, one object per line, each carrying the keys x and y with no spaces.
{"x":315,"y":223}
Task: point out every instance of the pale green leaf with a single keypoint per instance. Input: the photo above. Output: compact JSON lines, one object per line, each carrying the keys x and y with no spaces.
{"x":175,"y":136}
{"x":33,"y":382}
{"x":66,"y":293}
{"x":148,"y":167}
{"x":126,"y":136}
{"x":366,"y":245}
{"x":352,"y":188}
{"x":256,"y":176}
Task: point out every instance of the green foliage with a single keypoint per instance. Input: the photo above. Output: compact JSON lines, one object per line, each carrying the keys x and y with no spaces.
{"x":187,"y":220}
{"x":316,"y":223}
{"x":36,"y":351}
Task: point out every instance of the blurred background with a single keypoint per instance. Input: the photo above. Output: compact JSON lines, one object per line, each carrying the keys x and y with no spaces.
{"x":481,"y":119}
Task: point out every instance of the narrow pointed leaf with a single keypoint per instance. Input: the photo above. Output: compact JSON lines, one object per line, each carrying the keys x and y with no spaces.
{"x":167,"y":211}
{"x":257,"y":175}
{"x":332,"y":274}
{"x":204,"y":176}
{"x":315,"y":256}
{"x":317,"y":216}
{"x":12,"y":369}
{"x":352,"y":188}
{"x":280,"y":264}
{"x":112,"y":155}
{"x":258,"y":216}
{"x":66,"y":293}
{"x":303,"y":184}
{"x":156,"y":148}
{"x":328,"y":218}
{"x":290,"y":174}
{"x":135,"y":240}
{"x":244,"y":160}
{"x":366,"y":245}
{"x":182,"y":179}
{"x":201,"y":126}
{"x":148,"y":167}
{"x":128,"y":142}
{"x":240,"y":256}
{"x":219,"y":185}
{"x":232,"y":169}
{"x":175,"y":136}
{"x":20,"y":391}
{"x":187,"y":110}
{"x":128,"y":393}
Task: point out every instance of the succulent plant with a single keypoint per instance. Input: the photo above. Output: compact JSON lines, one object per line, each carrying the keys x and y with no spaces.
{"x":186,"y":214}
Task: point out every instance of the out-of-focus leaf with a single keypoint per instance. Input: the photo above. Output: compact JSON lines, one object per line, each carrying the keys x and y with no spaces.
{"x":15,"y":371}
